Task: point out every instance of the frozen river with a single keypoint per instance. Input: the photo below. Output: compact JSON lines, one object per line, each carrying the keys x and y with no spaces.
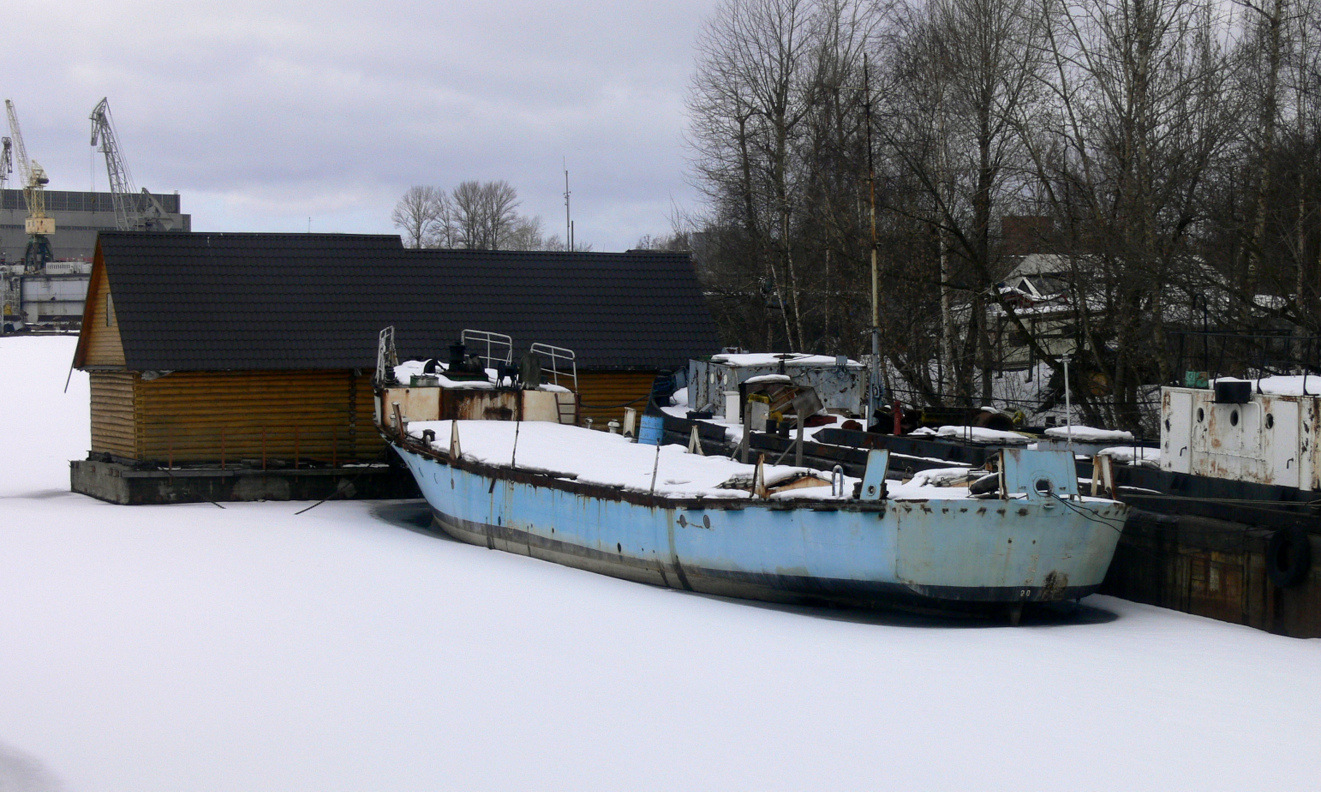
{"x":192,"y":647}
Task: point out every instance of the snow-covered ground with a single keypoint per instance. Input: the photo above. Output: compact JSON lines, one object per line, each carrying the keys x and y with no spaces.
{"x":251,"y":648}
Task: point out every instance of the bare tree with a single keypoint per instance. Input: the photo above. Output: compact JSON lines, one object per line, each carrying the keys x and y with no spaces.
{"x":422,"y":216}
{"x":524,"y":234}
{"x":484,"y":213}
{"x":1174,"y":148}
{"x":776,"y":107}
{"x":1137,"y":120}
{"x":753,"y":77}
{"x":964,"y":77}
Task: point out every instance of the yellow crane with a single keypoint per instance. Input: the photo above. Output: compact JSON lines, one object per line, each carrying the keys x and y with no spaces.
{"x":38,"y":225}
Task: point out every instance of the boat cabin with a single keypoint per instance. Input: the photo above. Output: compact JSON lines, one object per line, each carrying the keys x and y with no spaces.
{"x":1263,"y":431}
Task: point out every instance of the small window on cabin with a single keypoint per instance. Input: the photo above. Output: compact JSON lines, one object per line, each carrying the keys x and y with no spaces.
{"x":109,"y":311}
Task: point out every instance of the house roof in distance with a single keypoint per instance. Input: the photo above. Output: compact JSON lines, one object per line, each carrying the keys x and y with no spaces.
{"x":253,"y":301}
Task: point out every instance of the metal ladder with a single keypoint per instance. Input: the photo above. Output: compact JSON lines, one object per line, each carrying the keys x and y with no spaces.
{"x":566,"y":408}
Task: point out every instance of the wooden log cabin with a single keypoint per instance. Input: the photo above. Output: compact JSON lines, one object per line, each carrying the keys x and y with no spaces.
{"x":258,"y":349}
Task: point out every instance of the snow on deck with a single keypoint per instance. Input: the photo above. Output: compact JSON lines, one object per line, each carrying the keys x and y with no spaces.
{"x":250,"y":647}
{"x":1282,"y":385}
{"x":611,"y":460}
{"x":973,"y":434}
{"x":1089,"y":434}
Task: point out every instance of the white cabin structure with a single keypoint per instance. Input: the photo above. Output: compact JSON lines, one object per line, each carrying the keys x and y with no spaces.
{"x":1263,"y":431}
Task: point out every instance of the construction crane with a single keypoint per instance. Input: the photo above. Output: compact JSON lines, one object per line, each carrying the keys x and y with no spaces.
{"x":134,"y":211}
{"x":38,"y":225}
{"x":8,"y":293}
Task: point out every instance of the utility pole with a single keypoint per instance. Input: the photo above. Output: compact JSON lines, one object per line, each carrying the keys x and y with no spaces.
{"x":874,"y":387}
{"x":568,"y":222}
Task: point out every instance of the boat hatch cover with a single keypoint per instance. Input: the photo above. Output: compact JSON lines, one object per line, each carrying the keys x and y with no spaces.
{"x":873,"y":479}
{"x":1043,"y":475}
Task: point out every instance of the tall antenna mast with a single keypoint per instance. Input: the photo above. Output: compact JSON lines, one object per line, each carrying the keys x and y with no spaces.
{"x":874,"y":391}
{"x":568,"y":223}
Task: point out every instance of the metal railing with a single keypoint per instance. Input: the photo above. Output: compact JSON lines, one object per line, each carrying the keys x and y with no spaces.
{"x":559,"y":357}
{"x":491,"y":343}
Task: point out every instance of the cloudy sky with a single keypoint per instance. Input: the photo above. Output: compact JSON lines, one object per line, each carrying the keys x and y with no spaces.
{"x":264,"y":115}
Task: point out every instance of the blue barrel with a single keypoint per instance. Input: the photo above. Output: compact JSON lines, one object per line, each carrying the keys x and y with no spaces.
{"x":652,"y":429}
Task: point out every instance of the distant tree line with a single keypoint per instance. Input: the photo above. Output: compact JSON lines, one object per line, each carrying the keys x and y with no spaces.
{"x":1170,"y":151}
{"x":473,"y":216}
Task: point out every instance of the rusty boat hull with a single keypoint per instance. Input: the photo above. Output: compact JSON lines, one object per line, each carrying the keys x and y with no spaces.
{"x":956,"y":553}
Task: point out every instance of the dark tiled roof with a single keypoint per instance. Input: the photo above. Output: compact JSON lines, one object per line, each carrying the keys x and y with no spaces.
{"x":215,"y":302}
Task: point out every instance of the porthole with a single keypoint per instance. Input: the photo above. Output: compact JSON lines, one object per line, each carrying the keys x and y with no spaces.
{"x":1233,"y":417}
{"x":1201,"y":415}
{"x":1043,"y":486}
{"x":1270,"y":420}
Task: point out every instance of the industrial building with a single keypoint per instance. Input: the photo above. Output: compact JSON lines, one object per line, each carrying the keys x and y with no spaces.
{"x":53,"y":296}
{"x":45,"y":261}
{"x":78,"y":216}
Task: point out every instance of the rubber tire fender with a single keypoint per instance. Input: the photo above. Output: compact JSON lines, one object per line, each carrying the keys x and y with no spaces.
{"x":1288,"y":556}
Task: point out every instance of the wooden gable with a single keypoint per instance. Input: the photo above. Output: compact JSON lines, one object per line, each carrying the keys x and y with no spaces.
{"x":99,"y":343}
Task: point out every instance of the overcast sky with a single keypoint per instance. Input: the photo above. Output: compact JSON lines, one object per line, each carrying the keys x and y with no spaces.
{"x":265,"y":114}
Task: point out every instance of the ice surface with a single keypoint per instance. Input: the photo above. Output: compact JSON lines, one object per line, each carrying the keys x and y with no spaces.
{"x":167,"y":648}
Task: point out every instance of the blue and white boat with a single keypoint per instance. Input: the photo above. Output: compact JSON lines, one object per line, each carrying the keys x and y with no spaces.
{"x":662,"y":515}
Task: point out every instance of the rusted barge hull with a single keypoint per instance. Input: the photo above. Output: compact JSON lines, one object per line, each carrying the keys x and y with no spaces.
{"x":937,"y":553}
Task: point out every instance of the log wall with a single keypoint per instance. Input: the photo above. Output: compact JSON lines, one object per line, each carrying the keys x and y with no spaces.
{"x":604,"y":394}
{"x":253,"y":418}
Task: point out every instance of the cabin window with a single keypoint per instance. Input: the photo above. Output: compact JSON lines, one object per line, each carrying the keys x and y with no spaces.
{"x":109,"y":311}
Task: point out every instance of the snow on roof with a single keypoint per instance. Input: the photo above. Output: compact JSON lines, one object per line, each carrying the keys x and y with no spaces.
{"x":1298,"y":385}
{"x":789,"y":359}
{"x":1133,"y":455}
{"x":1088,"y":434}
{"x":1035,"y":264}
